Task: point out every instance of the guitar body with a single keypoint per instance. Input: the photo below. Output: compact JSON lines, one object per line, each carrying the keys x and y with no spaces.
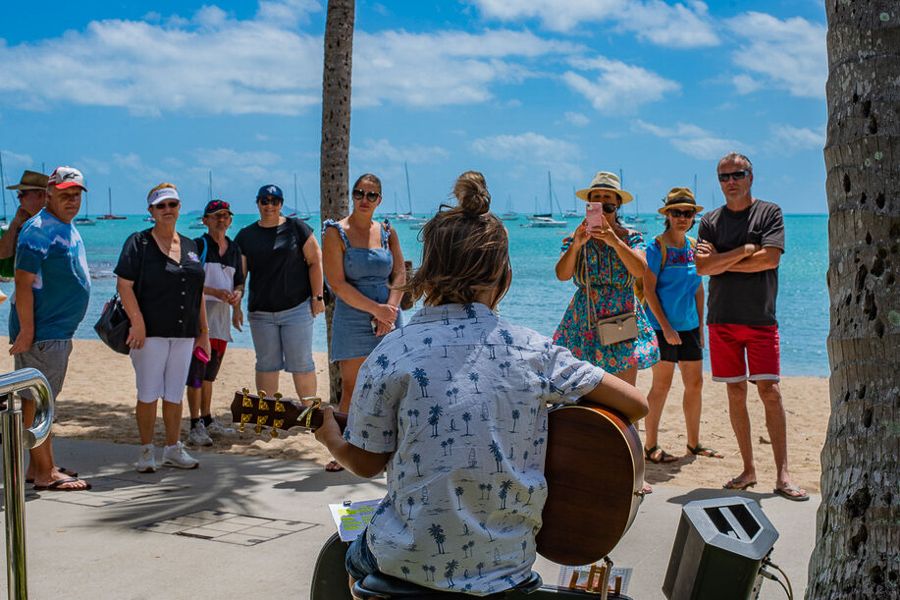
{"x":594,"y":471}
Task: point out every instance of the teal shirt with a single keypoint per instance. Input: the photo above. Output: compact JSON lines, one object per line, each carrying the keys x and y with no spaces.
{"x":54,"y":252}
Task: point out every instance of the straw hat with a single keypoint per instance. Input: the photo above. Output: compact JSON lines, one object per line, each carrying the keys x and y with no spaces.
{"x":604,"y":180}
{"x":680,"y":197}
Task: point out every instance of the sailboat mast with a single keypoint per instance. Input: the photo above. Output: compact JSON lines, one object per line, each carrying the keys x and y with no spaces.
{"x":295,"y":194}
{"x":408,"y":193}
{"x":3,"y":183}
{"x":695,"y":185}
{"x":210,"y":185}
{"x":109,"y":195}
{"x":550,"y":192}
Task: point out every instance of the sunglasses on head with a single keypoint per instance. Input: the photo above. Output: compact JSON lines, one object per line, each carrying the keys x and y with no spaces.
{"x":169,"y":204}
{"x":359,"y":194}
{"x":737,"y":175}
{"x":269,"y":201}
{"x":681,"y":214}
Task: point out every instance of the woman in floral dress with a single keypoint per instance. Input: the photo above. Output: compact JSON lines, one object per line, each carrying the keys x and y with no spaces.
{"x":605,"y":259}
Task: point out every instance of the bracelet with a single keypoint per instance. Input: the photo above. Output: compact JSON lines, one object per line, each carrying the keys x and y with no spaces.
{"x":204,"y":330}
{"x":320,"y":298}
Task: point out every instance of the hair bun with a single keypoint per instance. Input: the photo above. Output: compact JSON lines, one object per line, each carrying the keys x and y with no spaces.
{"x":471,"y":192}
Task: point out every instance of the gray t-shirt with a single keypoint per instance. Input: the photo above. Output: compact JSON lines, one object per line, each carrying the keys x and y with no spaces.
{"x":743,"y":298}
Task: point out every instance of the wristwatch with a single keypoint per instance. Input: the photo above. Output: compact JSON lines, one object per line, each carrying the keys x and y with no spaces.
{"x":320,"y":298}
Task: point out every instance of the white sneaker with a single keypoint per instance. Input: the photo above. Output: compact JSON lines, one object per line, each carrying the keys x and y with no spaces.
{"x":147,"y":460}
{"x":217,"y":430}
{"x":198,"y":435}
{"x":177,"y":456}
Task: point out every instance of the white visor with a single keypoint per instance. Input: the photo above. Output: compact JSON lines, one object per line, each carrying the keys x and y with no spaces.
{"x":163,"y":194}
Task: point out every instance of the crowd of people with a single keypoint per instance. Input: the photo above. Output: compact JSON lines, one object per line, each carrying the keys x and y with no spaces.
{"x":637,"y":305}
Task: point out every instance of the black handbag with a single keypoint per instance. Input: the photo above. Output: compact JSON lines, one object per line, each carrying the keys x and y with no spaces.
{"x":113,"y":325}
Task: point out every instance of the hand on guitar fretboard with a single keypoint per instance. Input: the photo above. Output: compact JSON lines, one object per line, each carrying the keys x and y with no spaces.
{"x":276,"y":413}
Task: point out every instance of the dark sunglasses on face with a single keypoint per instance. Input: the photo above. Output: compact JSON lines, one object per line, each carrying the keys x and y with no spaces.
{"x":681,"y":214}
{"x":170,"y":204}
{"x":737,"y":175}
{"x":269,"y":201}
{"x":359,"y":194}
{"x":610,"y":208}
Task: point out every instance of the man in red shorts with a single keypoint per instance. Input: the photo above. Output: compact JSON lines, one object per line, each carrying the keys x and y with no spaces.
{"x":740,"y":247}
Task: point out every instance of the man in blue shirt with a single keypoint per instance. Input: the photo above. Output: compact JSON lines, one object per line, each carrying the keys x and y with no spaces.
{"x":52,"y":290}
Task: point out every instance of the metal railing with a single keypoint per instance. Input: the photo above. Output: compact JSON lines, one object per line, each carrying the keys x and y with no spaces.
{"x":15,"y":440}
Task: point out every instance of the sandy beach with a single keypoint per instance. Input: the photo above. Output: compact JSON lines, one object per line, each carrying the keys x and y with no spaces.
{"x":97,"y":403}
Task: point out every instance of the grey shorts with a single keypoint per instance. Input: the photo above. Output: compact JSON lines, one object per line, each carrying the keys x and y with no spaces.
{"x":51,"y":358}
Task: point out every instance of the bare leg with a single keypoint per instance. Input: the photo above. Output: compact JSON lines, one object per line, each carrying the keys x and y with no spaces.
{"x":172,"y":421}
{"x":145,"y":413}
{"x":267,"y":381}
{"x":205,"y":399}
{"x":692,"y":377}
{"x":662,"y":382}
{"x":305,"y":384}
{"x":349,"y":371}
{"x":776,"y":423}
{"x":740,"y":423}
{"x":628,"y":375}
{"x":194,"y":397}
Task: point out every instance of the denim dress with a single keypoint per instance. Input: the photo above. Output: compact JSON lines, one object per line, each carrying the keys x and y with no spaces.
{"x":369,"y":271}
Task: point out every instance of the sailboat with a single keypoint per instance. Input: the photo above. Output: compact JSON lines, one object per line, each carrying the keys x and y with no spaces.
{"x":414,"y":222}
{"x":198,"y":222}
{"x":110,"y":216}
{"x":509,"y":214}
{"x":574,"y":213}
{"x":305,"y":216}
{"x":86,"y":219}
{"x":4,"y":222}
{"x":545,"y":219}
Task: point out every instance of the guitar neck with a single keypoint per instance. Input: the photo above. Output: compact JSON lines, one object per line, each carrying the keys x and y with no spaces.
{"x":277,"y":413}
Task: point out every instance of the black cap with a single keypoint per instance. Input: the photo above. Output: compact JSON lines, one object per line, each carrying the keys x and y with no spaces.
{"x":270,"y":190}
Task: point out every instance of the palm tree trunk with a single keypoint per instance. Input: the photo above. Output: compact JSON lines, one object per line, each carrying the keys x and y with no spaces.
{"x":858,"y":536}
{"x":334,"y":162}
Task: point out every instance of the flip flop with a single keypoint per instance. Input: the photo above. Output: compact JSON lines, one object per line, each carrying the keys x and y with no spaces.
{"x":664,"y":457}
{"x":737,"y":484}
{"x":55,"y":486}
{"x":62,"y":470}
{"x":333,"y":466}
{"x":701,"y":450}
{"x":792,"y":492}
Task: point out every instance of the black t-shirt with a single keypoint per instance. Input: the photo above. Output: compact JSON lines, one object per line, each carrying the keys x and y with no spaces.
{"x":279,"y":275}
{"x":168,"y":292}
{"x":743,"y":298}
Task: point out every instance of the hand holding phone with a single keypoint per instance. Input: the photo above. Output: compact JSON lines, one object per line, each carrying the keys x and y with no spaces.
{"x":595,"y":216}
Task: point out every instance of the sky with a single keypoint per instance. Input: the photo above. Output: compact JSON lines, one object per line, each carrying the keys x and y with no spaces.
{"x":135,"y":93}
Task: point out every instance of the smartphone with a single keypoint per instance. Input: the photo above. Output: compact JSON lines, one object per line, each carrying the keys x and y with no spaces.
{"x":201,"y":355}
{"x":595,"y":216}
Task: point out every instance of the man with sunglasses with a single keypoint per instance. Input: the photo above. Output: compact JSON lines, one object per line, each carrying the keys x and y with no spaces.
{"x":32,"y":194}
{"x":740,"y":248}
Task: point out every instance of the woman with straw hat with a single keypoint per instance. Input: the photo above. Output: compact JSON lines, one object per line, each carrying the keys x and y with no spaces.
{"x":674,"y":295}
{"x":604,"y":323}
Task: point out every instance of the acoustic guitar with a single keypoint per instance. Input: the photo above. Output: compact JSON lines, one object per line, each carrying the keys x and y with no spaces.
{"x":594,"y":470}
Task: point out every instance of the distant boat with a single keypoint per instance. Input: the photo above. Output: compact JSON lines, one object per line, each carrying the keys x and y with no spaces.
{"x":149,"y":219}
{"x":110,"y":216}
{"x":541,"y":221}
{"x":86,"y":219}
{"x":509,"y":214}
{"x":306,"y":216}
{"x":544,"y":217}
{"x":198,"y":224}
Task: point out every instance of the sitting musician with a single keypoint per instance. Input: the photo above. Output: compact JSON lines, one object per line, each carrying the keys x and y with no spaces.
{"x":454,"y":405}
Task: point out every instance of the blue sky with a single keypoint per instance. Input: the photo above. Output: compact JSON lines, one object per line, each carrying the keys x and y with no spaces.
{"x":134,"y":93}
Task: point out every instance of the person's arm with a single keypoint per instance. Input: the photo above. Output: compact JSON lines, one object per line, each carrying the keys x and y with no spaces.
{"x":699,"y":299}
{"x":11,"y":236}
{"x":655,"y":305}
{"x":25,"y":311}
{"x":398,"y":271}
{"x":711,"y":262}
{"x":358,"y":461}
{"x":333,"y":262}
{"x":635,"y":260}
{"x":137,"y":333}
{"x":202,"y":340}
{"x":622,"y":397}
{"x":565,"y":266}
{"x":761,"y":260}
{"x":313,"y":256}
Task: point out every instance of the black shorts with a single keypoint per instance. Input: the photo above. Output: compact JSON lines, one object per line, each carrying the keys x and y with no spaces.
{"x":200,"y":371}
{"x":688,"y":350}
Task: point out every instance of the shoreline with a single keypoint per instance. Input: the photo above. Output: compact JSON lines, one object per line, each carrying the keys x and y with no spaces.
{"x":97,"y":403}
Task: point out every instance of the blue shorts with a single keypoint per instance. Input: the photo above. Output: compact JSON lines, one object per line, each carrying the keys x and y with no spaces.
{"x":283,"y":339}
{"x":359,"y":560}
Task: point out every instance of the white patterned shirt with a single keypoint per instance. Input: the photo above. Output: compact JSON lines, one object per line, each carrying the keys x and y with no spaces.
{"x":459,"y":396}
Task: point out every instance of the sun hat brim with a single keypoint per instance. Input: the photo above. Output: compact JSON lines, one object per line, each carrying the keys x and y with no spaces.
{"x":668,"y":207}
{"x":624,"y":196}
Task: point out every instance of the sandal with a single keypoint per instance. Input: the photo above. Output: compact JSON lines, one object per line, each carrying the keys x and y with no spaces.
{"x":62,"y":470}
{"x":737,"y":484}
{"x":701,"y":450}
{"x":664,"y":457}
{"x":333,"y":466}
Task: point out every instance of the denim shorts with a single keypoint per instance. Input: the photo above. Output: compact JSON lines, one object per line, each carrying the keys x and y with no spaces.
{"x":359,"y":560}
{"x":283,"y":339}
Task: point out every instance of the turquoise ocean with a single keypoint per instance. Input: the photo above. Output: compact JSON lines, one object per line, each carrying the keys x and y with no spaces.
{"x":536,"y":299}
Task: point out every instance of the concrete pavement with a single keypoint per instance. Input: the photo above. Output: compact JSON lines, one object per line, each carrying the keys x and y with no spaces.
{"x":142,"y":536}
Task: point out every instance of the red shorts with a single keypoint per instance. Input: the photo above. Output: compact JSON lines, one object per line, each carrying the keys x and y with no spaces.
{"x":729,"y":344}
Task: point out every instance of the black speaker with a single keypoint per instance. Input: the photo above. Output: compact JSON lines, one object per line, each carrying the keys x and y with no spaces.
{"x":718,"y":550}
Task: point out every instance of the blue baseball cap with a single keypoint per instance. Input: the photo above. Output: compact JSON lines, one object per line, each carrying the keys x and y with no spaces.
{"x":270,"y":190}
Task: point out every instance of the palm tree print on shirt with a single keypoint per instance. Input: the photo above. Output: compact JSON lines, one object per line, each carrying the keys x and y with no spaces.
{"x":474,"y":377}
{"x":459,"y":491}
{"x":448,"y":573}
{"x":504,"y":491}
{"x":421,"y":378}
{"x":515,"y":417}
{"x":434,"y":418}
{"x":466,"y":417}
{"x":383,"y":362}
{"x":416,"y":460}
{"x":497,"y":454}
{"x":437,"y":534}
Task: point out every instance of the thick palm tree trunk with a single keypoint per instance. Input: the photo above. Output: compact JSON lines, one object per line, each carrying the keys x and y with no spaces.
{"x":858,"y":524}
{"x":334,"y":175}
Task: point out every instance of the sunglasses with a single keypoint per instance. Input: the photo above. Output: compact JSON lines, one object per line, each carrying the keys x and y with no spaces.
{"x":169,"y":204}
{"x":681,"y":214}
{"x":270,"y":201}
{"x":610,"y":208}
{"x":737,"y":175}
{"x":359,"y":194}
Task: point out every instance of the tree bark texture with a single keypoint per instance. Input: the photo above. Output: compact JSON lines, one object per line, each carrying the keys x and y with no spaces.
{"x":858,"y":522}
{"x":335,"y":151}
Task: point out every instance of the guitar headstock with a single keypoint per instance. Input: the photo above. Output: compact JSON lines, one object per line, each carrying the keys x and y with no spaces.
{"x":276,"y":413}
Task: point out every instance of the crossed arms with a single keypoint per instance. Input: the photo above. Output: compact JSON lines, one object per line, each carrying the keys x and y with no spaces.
{"x":749,"y":258}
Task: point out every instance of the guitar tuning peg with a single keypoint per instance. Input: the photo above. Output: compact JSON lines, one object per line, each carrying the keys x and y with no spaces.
{"x":245,"y":392}
{"x":261,"y":394}
{"x":273,"y":432}
{"x":278,"y":395}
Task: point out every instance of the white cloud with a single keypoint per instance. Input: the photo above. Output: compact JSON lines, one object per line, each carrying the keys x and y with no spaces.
{"x":532,"y":150}
{"x":788,"y":137}
{"x":744,"y":84}
{"x":619,"y":88}
{"x":215,"y":64}
{"x":383,"y":151}
{"x":693,"y":140}
{"x":576,"y":118}
{"x":679,"y":25}
{"x":14,"y":159}
{"x":788,"y":54}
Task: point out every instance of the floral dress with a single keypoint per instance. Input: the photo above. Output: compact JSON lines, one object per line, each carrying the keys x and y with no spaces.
{"x":612,"y":292}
